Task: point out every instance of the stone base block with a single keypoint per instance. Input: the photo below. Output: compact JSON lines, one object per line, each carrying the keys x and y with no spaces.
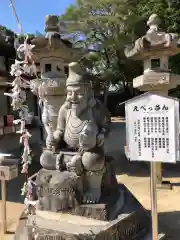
{"x":53,"y":186}
{"x":95,"y":211}
{"x":132,"y":221}
{"x":63,"y":226}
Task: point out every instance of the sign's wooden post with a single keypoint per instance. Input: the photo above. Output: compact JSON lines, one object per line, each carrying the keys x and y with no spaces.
{"x":3,"y":194}
{"x":8,"y":171}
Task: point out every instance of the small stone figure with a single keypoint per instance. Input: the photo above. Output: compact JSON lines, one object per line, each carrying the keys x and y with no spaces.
{"x":156,"y":37}
{"x":82,"y":124}
{"x":154,"y":42}
{"x":153,"y":23}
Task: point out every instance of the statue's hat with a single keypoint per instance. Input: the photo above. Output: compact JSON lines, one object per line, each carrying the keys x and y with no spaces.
{"x":77,"y":75}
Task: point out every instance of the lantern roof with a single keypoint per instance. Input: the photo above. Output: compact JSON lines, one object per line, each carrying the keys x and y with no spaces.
{"x":53,"y":44}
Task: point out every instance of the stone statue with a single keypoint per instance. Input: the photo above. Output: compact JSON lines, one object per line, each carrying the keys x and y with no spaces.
{"x":83,"y":122}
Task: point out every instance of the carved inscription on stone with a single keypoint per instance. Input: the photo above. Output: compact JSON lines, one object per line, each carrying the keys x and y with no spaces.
{"x":53,"y":191}
{"x":50,"y":237}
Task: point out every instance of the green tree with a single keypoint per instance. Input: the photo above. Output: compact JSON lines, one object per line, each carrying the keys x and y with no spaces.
{"x":111,"y":24}
{"x":114,"y":24}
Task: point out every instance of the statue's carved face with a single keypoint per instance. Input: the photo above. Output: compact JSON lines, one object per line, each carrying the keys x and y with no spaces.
{"x":77,"y":97}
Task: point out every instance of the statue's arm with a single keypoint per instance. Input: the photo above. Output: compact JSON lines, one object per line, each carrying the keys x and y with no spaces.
{"x":61,"y":123}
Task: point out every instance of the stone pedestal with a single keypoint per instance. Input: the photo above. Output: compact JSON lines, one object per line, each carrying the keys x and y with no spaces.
{"x":117,"y":216}
{"x":132,"y":222}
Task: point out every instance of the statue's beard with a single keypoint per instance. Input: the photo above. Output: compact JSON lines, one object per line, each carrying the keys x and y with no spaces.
{"x":77,"y":108}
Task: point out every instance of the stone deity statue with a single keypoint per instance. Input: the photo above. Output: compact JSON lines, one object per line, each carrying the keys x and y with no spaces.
{"x":83,"y":122}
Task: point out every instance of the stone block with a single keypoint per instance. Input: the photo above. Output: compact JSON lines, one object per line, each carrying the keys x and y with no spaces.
{"x":95,"y":211}
{"x":53,"y":186}
{"x":131,"y":221}
{"x":65,"y":226}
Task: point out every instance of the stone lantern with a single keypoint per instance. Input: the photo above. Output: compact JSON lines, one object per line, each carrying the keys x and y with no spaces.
{"x":154,"y":49}
{"x":52,"y":54}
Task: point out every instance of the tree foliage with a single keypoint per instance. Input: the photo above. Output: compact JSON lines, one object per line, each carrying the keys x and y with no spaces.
{"x":110,"y":25}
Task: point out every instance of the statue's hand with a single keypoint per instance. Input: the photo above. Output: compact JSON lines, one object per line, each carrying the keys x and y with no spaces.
{"x":87,"y":138}
{"x":49,"y":143}
{"x":57,"y":135}
{"x":87,"y":142}
{"x":75,"y":164}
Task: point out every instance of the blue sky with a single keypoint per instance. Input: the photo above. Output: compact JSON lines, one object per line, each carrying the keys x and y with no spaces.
{"x":31,"y":13}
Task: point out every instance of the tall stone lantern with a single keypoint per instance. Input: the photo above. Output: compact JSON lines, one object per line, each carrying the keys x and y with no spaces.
{"x":52,"y":54}
{"x":154,"y":49}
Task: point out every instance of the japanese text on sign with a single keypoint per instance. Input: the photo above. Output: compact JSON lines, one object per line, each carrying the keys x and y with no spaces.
{"x":152,"y":132}
{"x":146,"y":108}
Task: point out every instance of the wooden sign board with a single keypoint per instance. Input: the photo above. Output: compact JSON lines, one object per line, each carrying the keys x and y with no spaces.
{"x":8,"y":172}
{"x":152,"y":128}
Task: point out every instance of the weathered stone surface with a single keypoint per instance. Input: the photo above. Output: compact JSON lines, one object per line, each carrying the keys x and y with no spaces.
{"x":155,"y":43}
{"x":156,"y":81}
{"x":52,"y":23}
{"x":95,"y":211}
{"x":63,"y":191}
{"x":53,"y":45}
{"x":56,"y":191}
{"x":131,"y":221}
